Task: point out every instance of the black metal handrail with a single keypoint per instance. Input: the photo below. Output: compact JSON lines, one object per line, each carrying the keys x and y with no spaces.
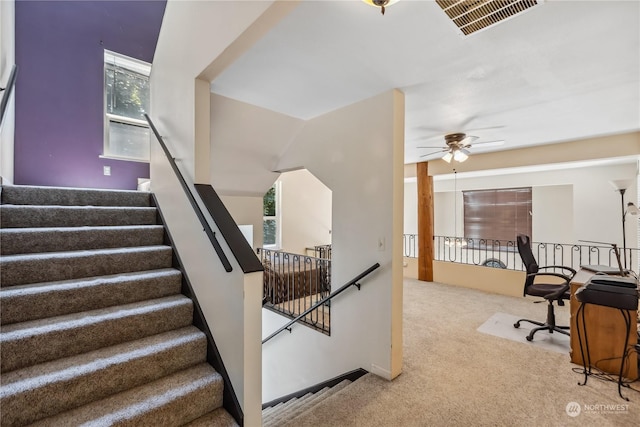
{"x":504,"y":253}
{"x":207,"y":228}
{"x":7,"y":91}
{"x":352,"y":282}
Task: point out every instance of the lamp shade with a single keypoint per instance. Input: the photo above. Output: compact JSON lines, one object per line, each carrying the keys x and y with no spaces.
{"x":621,"y":184}
{"x":447,"y":157}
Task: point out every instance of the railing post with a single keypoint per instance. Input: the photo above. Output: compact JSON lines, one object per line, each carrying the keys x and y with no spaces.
{"x":425,"y":223}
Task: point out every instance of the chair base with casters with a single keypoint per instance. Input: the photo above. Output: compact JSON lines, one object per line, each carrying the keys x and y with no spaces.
{"x":548,"y":325}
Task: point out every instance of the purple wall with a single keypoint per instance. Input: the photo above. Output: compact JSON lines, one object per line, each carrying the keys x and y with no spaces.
{"x":59,"y":90}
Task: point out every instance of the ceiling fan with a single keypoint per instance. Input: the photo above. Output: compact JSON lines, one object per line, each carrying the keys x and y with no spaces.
{"x":458,"y":145}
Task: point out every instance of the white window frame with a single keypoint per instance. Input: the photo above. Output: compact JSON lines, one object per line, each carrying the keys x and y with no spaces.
{"x":278,"y":218}
{"x":138,"y":67}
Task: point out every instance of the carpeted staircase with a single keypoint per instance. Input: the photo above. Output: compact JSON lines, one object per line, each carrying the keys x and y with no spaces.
{"x":94,"y":328}
{"x":286,"y":413}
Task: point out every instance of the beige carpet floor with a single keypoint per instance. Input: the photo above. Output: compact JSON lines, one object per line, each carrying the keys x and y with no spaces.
{"x":454,"y":375}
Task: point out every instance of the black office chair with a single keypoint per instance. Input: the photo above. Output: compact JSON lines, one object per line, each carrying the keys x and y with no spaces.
{"x":549,"y":291}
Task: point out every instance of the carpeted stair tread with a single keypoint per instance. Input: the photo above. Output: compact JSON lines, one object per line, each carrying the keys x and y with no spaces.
{"x":29,"y":343}
{"x":170,"y":401}
{"x":312,"y":402}
{"x":53,"y":266}
{"x":285,"y":406}
{"x":216,"y":418}
{"x":24,"y":216}
{"x":41,"y":300}
{"x":267,"y":419}
{"x":291,"y":405}
{"x":47,"y":389}
{"x":30,"y":195}
{"x":287,"y":413}
{"x":54,"y":239}
{"x":273,"y":418}
{"x":270,"y":409}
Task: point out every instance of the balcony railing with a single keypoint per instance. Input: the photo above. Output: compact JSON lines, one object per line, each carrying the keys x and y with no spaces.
{"x":504,"y":253}
{"x":322,"y":251}
{"x":409,"y":245}
{"x":292,"y":283}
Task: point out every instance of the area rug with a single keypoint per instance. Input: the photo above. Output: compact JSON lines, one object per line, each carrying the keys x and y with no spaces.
{"x":501,"y":325}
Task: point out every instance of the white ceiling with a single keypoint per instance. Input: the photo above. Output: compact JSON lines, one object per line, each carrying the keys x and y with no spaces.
{"x":561,"y":71}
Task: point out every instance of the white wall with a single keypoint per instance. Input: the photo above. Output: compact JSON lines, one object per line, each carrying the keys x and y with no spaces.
{"x":7,"y":59}
{"x":410,"y":206}
{"x":366,"y":329}
{"x":192,"y":37}
{"x":306,"y":211}
{"x":552,"y":209}
{"x":246,"y":143}
{"x":246,"y":211}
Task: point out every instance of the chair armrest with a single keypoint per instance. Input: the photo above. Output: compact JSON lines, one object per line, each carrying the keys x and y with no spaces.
{"x":573,"y":272}
{"x":562,"y":287}
{"x":561,"y":276}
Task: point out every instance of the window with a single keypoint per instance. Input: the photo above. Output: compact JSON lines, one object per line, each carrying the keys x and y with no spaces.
{"x":497,"y":214}
{"x":271,"y":217}
{"x":126,"y":88}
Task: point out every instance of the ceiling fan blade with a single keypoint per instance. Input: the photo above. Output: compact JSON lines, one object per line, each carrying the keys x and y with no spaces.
{"x":435,"y":152}
{"x":495,"y":143}
{"x":428,"y":146}
{"x":485,"y":128}
{"x":468,"y":140}
{"x":428,"y":138}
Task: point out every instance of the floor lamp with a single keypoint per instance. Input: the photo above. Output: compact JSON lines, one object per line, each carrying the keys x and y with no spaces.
{"x":629,"y":209}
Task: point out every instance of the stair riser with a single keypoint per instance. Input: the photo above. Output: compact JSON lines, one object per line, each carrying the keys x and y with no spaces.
{"x":36,"y":240}
{"x":169,"y":406}
{"x":100,"y":382}
{"x":12,"y":216}
{"x":27,"y":348}
{"x":26,"y":195}
{"x":24,"y":303}
{"x":22,"y":270}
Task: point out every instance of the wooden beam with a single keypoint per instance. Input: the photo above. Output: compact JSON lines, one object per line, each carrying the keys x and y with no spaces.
{"x":425,"y":222}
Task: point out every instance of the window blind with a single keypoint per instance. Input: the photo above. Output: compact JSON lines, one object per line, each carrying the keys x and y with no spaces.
{"x":499,"y":214}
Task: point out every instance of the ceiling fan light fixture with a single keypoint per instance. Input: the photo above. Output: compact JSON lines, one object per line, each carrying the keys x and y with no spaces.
{"x":447,"y":157}
{"x":380,"y":3}
{"x":460,"y":155}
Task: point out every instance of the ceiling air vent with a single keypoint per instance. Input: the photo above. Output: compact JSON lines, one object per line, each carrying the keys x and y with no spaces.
{"x":471,"y":16}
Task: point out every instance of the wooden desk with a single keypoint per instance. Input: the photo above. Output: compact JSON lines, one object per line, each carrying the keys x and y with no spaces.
{"x":606,"y":330}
